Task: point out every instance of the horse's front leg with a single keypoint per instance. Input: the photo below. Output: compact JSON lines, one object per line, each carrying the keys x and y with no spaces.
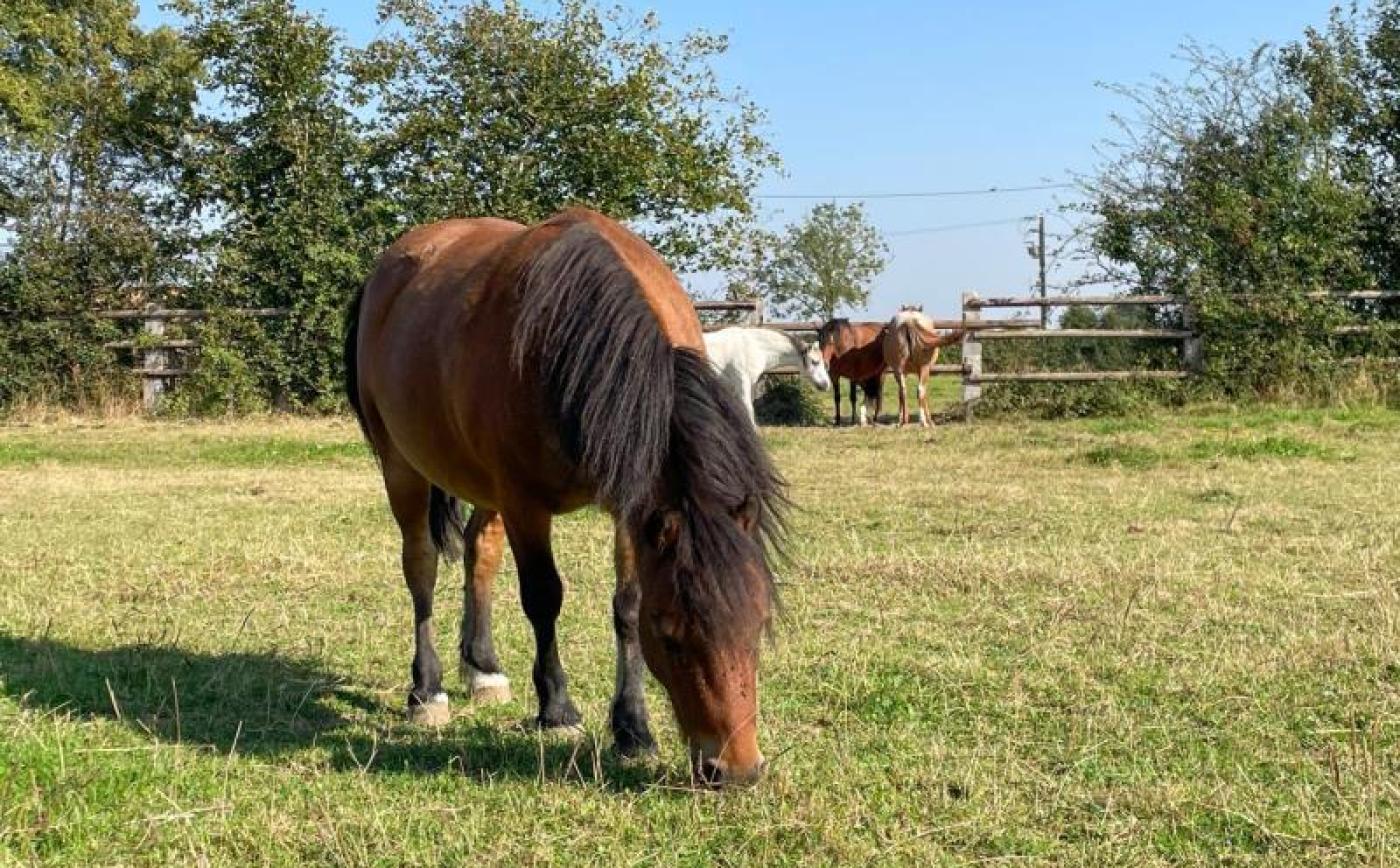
{"x":836,"y":394}
{"x":408,"y":500}
{"x":485,"y":546}
{"x":628,"y":719}
{"x":542,"y":596}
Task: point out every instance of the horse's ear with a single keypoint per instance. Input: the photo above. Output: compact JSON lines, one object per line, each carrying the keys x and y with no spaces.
{"x":663,"y":529}
{"x":746,"y":514}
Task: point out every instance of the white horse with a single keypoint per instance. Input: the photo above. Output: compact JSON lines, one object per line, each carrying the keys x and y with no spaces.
{"x":742,"y":355}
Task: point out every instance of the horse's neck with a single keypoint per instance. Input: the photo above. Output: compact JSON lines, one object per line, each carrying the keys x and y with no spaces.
{"x":777,"y":349}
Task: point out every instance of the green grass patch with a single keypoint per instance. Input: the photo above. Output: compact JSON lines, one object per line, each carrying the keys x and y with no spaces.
{"x":1124,"y":455}
{"x":1276,"y":446}
{"x":1123,"y":425}
{"x":31,"y":449}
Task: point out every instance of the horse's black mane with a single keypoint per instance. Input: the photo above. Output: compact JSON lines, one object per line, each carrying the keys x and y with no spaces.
{"x":651,"y":425}
{"x":831,"y":329}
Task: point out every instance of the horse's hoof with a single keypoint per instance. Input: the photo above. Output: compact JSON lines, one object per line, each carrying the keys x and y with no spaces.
{"x":488,"y":688}
{"x":568,"y":731}
{"x":434,"y":712}
{"x":634,"y":753}
{"x":563,"y":720}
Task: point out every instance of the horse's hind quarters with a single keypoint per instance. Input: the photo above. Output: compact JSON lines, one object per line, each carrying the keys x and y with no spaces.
{"x":435,"y":712}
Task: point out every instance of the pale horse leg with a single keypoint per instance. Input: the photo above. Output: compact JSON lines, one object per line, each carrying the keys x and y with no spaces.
{"x":742,"y":385}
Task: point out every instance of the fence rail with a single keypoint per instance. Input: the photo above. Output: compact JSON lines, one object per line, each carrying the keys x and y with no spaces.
{"x":976,"y":330}
{"x":1071,"y":376}
{"x":153,"y":350}
{"x":155,"y":359}
{"x":188,"y":313}
{"x":1141,"y":334}
{"x":972,"y":302}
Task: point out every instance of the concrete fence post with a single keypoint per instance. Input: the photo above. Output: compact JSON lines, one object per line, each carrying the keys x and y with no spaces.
{"x":1193,"y":352}
{"x":155,"y":362}
{"x":971,"y":355}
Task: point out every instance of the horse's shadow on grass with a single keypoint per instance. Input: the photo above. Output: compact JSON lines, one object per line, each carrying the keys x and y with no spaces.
{"x":268,"y":705}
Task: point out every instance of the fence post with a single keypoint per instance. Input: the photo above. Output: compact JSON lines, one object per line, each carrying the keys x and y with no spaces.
{"x":153,"y":359}
{"x":1193,"y":354}
{"x":971,"y":356}
{"x":756,"y":316}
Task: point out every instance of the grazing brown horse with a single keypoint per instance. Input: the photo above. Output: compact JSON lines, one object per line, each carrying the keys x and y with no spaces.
{"x":530,"y":372}
{"x":911,"y":345}
{"x":854,"y":351}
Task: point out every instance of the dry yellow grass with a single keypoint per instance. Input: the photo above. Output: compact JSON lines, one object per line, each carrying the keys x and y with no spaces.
{"x":1145,"y":641}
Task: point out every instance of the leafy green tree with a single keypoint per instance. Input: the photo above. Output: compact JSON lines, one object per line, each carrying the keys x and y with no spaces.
{"x":92,"y":112}
{"x":277,"y":173}
{"x":1349,"y":73}
{"x":818,"y":266}
{"x":301,"y":158}
{"x":495,"y":109}
{"x":1229,"y":189}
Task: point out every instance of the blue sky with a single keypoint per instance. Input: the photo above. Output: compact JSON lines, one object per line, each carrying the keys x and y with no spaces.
{"x":901,"y":95}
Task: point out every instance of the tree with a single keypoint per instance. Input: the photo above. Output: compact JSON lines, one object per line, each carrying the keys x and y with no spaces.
{"x":1230,"y":187}
{"x":496,"y":109}
{"x":819,"y":265}
{"x":92,"y":112}
{"x":1349,"y":74}
{"x":302,"y":157}
{"x":277,"y":171}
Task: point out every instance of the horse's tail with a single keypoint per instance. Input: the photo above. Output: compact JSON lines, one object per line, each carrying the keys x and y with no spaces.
{"x":445,"y":524}
{"x":351,"y":360}
{"x":910,"y":339}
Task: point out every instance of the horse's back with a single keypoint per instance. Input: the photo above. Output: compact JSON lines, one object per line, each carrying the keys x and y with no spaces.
{"x":859,"y":351}
{"x":453,"y":245}
{"x":441,"y":347}
{"x":912,"y":340}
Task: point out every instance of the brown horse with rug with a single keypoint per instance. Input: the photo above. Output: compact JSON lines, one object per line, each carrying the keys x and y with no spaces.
{"x":533,"y":371}
{"x":855,"y":351}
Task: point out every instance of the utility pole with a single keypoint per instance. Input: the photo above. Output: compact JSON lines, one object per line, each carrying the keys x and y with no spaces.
{"x":1037,"y":252}
{"x":1040,"y":254}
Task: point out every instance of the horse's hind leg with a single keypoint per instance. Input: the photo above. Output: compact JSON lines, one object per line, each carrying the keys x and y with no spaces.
{"x":903,"y":400}
{"x":628,"y":719}
{"x":924,"y":415}
{"x":485,"y":546}
{"x":408,"y":499}
{"x":542,"y":596}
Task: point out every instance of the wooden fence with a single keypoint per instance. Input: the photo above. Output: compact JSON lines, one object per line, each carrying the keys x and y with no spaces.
{"x":156,"y":355}
{"x":1192,"y":357}
{"x":977,"y":330}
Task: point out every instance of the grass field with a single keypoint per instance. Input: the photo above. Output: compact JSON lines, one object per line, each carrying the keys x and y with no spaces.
{"x":1162,"y":640}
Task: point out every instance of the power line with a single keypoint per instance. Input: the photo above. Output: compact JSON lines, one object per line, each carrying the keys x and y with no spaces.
{"x":933,"y":194}
{"x":955,"y":226}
